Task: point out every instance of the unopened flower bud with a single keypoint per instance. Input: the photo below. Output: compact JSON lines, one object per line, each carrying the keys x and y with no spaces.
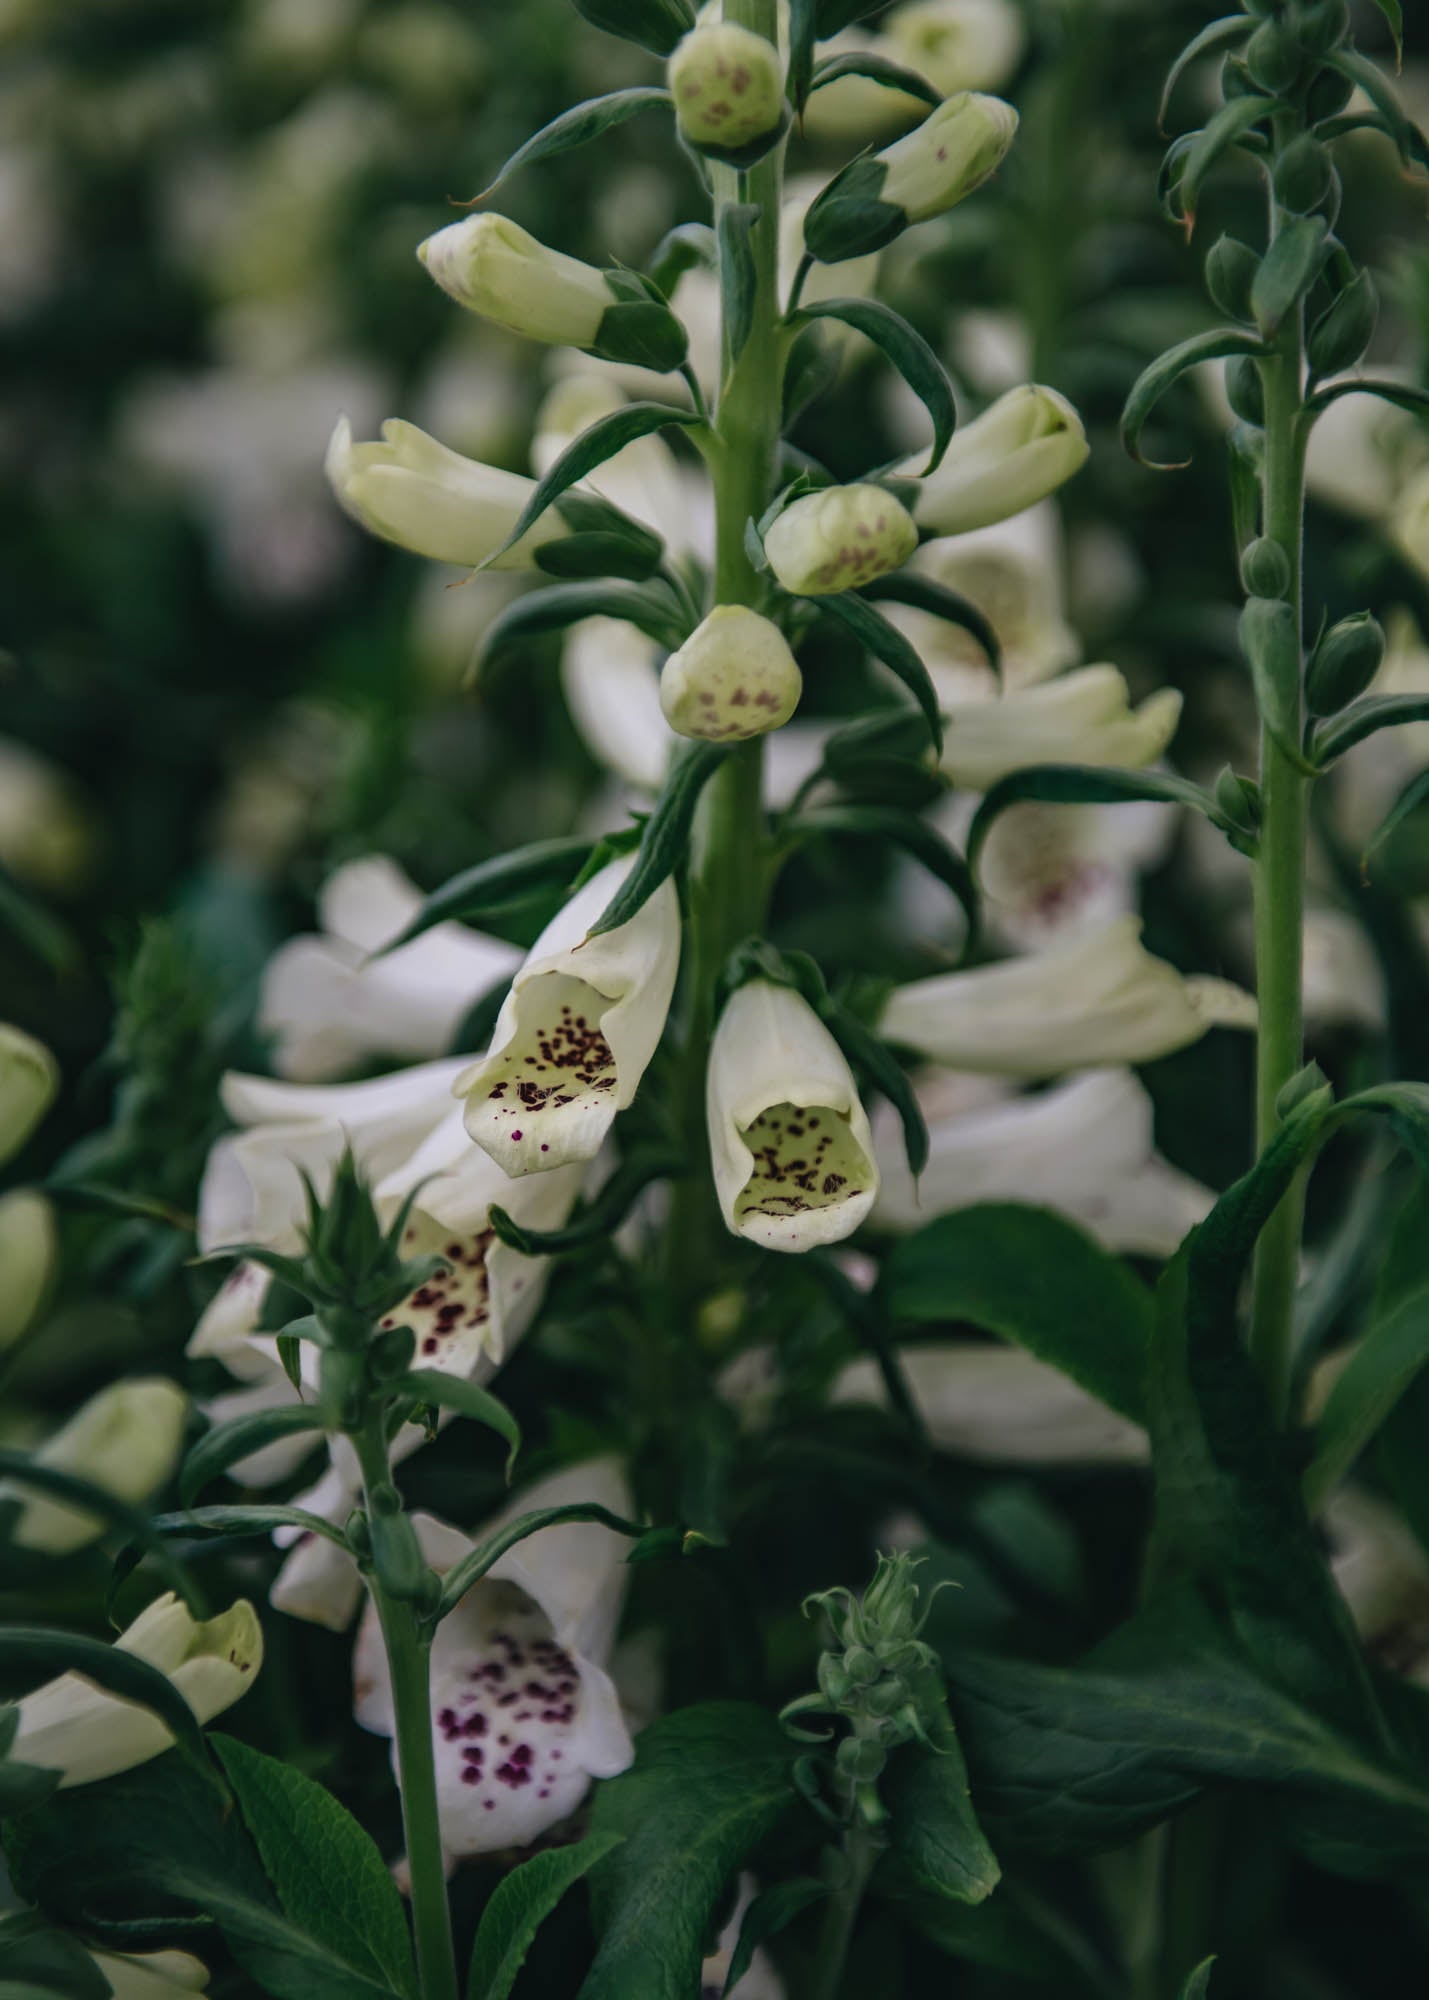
{"x":1239,"y":799}
{"x":125,"y":1441}
{"x":935,"y":167}
{"x":1023,"y":447}
{"x":861,"y":1666}
{"x":27,"y":1258}
{"x":29,"y":1078}
{"x":1244,"y":392}
{"x":733,"y":677}
{"x":839,"y":538}
{"x":834,"y":1682}
{"x":728,"y":88}
{"x":1344,"y":663}
{"x":1230,"y":272}
{"x":1344,"y":330}
{"x":859,"y":1758}
{"x":886,"y":1697}
{"x":1265,"y":568}
{"x":1273,"y":57}
{"x":1303,"y":176}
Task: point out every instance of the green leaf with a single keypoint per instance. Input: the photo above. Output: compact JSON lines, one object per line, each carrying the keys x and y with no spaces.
{"x":878,"y":69}
{"x":803,"y":32}
{"x":1153,"y":382}
{"x":906,"y":586}
{"x":1226,"y":129}
{"x":655,"y":24}
{"x":666,"y":835}
{"x":1198,"y":1983}
{"x":652,"y":608}
{"x":888,"y":644}
{"x":601,"y":1216}
{"x":227,"y":1443}
{"x":473,"y":1566}
{"x":1382,"y":711}
{"x":1380,"y":1369}
{"x":915,"y":836}
{"x":36,"y":1650}
{"x":935,"y":1831}
{"x":75,"y":1491}
{"x":909,"y":353}
{"x":328,"y":1874}
{"x":521,"y":1903}
{"x":679,"y":250}
{"x":40,"y":933}
{"x":1393,"y":13}
{"x":708,"y":1785}
{"x":1368,"y":77}
{"x":738,"y":277}
{"x":468,"y":1399}
{"x":598,"y":442}
{"x":467,"y":897}
{"x":1287,"y":271}
{"x":769,"y":1913}
{"x":1220,"y":34}
{"x":577,"y":127}
{"x":1404,"y":395}
{"x":1085,"y":784}
{"x":1414,"y":795}
{"x":1036,"y":1279}
{"x":257,"y":1520}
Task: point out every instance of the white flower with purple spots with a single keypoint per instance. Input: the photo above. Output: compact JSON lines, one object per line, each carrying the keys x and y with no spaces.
{"x":789,"y":1142}
{"x":582,"y":1020}
{"x":524,"y":1714}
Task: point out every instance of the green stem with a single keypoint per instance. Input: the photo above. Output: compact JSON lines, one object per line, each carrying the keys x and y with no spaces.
{"x":409,"y":1664}
{"x":841,"y":1913}
{"x":1280,"y":876}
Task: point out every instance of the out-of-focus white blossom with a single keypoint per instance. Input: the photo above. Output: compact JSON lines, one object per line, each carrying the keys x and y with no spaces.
{"x":46,"y":833}
{"x":125,"y":1440}
{"x":1084,"y":717}
{"x":29,"y":1078}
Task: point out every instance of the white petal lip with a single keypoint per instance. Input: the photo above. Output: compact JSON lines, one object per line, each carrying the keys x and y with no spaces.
{"x":1084,"y":717}
{"x":1023,"y":447}
{"x":620,"y":984}
{"x":73,"y":1726}
{"x":770,"y":1048}
{"x":412,"y":491}
{"x":1098,"y":999}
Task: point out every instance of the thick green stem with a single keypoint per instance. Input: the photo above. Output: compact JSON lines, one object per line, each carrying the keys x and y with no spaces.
{"x":1280,"y":879}
{"x":841,"y":1913}
{"x":409,"y":1664}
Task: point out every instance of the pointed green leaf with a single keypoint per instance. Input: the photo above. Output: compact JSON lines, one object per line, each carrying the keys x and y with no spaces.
{"x":1222,"y":34}
{"x":666,"y":835}
{"x":1384,"y":711}
{"x":1085,"y":784}
{"x":738,"y":277}
{"x":468,"y":1399}
{"x":878,"y":69}
{"x":906,"y":586}
{"x":888,"y":644}
{"x":473,"y":1567}
{"x":1153,"y":382}
{"x":469,"y":896}
{"x":1287,"y":271}
{"x":577,"y":127}
{"x":227,"y":1443}
{"x":521,"y":1903}
{"x":1380,"y":1368}
{"x":910,"y":354}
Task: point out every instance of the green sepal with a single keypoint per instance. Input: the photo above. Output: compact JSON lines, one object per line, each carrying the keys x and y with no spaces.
{"x":656,"y":25}
{"x":848,"y":218}
{"x":887,"y":643}
{"x":666,"y":835}
{"x":602,"y":1215}
{"x":1153,"y":382}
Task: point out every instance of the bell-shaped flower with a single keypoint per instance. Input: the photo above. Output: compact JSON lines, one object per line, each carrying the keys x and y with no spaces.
{"x":1026,"y":445}
{"x":1003,"y":1406}
{"x":524,"y":1714}
{"x":73,"y":1726}
{"x":1085,"y":1148}
{"x":728,"y":87}
{"x":838,"y":538}
{"x":29,"y":1078}
{"x":790,"y":1144}
{"x":413,"y":491}
{"x":1099,"y":998}
{"x":124,"y":1440}
{"x":151,"y":1975}
{"x":733,"y":678}
{"x":1084,"y":717}
{"x":330,"y":1004}
{"x":28,"y":1249}
{"x":955,"y":44}
{"x":1012,"y":573}
{"x":582,"y":1020}
{"x":494,"y":267}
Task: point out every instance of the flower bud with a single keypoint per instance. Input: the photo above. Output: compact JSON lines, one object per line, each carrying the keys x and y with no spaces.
{"x":950,"y":154}
{"x":1303,"y":177}
{"x":1230,"y":272}
{"x":728,"y":88}
{"x":1239,"y":799}
{"x":1244,"y":392}
{"x":1265,"y":568}
{"x":1273,"y":57}
{"x":27,"y":1258}
{"x":861,"y":1666}
{"x":734,"y":677}
{"x":29,"y":1078}
{"x":125,"y":1440}
{"x":1344,"y":663}
{"x":1344,"y":330}
{"x":1027,"y":444}
{"x":839,"y":538}
{"x":860,"y":1758}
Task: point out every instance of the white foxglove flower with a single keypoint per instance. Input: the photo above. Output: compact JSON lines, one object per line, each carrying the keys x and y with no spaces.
{"x":1085,"y":1148}
{"x":28,"y":1249}
{"x":330,"y":1004}
{"x":728,"y":86}
{"x":1012,"y":572}
{"x":524,"y":1714}
{"x":1024,"y":447}
{"x":494,"y":267}
{"x":838,"y":538}
{"x":125,"y":1440}
{"x":937,"y":165}
{"x":151,"y":1975}
{"x":1084,"y":717}
{"x":956,"y":44}
{"x":733,"y":678}
{"x":1047,"y":870}
{"x":789,"y":1142}
{"x":582,"y":1020}
{"x":413,"y":491}
{"x":1098,"y":999}
{"x":1003,"y":1406}
{"x":46,"y":834}
{"x":72,"y":1726}
{"x":29,"y":1078}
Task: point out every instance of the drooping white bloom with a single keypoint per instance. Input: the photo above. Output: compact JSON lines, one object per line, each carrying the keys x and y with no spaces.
{"x":46,"y":834}
{"x":582,"y":1020}
{"x":1085,"y":1148}
{"x":330,"y":1005}
{"x":1047,"y":870}
{"x":1002,"y":1405}
{"x":789,"y":1141}
{"x":413,"y":491}
{"x":1100,"y":998}
{"x":838,"y":538}
{"x":492,"y":266}
{"x":956,"y":44}
{"x":524,"y":1714}
{"x":29,"y":1078}
{"x":73,"y":1726}
{"x":1012,"y":573}
{"x":125,"y":1440}
{"x":733,"y":678}
{"x":152,"y":1975}
{"x":728,"y":86}
{"x":1027,"y":444}
{"x":28,"y":1248}
{"x":1084,"y":717}
{"x":949,"y":155}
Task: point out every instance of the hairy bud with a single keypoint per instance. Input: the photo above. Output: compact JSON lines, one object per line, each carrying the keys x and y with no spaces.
{"x":1244,"y":392}
{"x":728,"y":88}
{"x":1344,"y":330}
{"x":734,"y":677}
{"x":1230,"y":272}
{"x":1265,"y":568}
{"x":839,"y":538}
{"x":1344,"y":663}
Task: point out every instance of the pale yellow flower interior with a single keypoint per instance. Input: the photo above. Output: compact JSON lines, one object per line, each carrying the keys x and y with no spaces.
{"x":804,"y":1157}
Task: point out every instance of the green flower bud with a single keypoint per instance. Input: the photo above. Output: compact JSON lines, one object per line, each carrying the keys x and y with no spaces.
{"x":861,"y":1666}
{"x":392,"y":1353}
{"x":1272,"y":56}
{"x":734,"y":677}
{"x":1265,"y":568}
{"x":1344,"y":330}
{"x":1344,"y":663}
{"x":886,"y":1697}
{"x":728,"y":87}
{"x":29,"y":1078}
{"x":936,"y":166}
{"x":1243,"y":390}
{"x":28,"y":1250}
{"x":839,"y":538}
{"x":860,"y":1759}
{"x":1239,"y":799}
{"x":1303,"y":176}
{"x":397,"y":1554}
{"x":1230,"y":272}
{"x":1327,"y":96}
{"x":1322,"y":25}
{"x":834,"y":1683}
